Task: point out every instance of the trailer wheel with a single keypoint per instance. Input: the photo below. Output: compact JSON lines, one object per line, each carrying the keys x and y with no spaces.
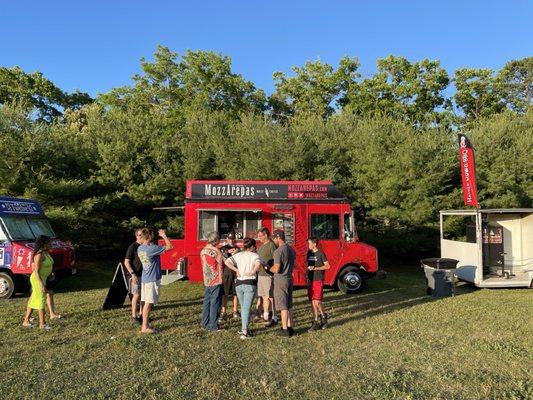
{"x":7,"y":285}
{"x":351,"y":280}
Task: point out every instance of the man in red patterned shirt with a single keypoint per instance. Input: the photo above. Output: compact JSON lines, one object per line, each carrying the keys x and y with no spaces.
{"x":212,"y":270}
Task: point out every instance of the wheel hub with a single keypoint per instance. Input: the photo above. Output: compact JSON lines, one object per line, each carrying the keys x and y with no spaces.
{"x":352,"y":279}
{"x":4,"y":286}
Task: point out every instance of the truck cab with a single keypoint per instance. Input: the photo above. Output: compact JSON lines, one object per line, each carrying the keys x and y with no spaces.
{"x":21,"y":222}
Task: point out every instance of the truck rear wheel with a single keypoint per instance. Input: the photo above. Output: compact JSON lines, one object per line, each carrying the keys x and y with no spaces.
{"x":7,"y":285}
{"x":351,"y":280}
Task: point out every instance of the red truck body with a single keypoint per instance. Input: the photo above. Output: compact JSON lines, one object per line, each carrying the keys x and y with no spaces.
{"x":302,"y":209}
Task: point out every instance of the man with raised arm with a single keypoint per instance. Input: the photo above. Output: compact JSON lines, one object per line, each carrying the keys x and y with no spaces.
{"x":150,"y":256}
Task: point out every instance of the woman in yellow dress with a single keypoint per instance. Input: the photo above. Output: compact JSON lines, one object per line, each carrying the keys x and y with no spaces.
{"x":42,"y":268}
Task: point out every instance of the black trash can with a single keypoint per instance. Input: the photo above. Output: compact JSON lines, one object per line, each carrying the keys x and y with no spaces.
{"x":440,"y":276}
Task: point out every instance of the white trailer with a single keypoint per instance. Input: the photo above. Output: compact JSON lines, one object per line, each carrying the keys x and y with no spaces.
{"x":495,"y":249}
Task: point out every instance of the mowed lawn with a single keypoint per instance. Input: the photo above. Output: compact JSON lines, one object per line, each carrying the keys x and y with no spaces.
{"x":390,"y":342}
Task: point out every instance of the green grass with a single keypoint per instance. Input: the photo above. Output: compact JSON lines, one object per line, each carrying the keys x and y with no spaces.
{"x":390,"y":342}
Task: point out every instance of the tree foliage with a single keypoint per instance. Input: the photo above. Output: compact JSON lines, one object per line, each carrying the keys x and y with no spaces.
{"x":38,"y":94}
{"x":101,"y":168}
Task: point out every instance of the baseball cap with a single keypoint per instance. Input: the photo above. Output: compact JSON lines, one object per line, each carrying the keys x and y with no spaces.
{"x":278,"y":233}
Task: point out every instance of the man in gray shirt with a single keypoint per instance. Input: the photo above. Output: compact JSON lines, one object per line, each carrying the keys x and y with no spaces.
{"x":284,"y":259}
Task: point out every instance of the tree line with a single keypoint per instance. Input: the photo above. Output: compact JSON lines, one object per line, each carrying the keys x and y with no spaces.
{"x":388,"y":141}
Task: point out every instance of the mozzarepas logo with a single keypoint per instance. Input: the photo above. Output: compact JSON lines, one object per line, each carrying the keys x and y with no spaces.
{"x":230,"y":191}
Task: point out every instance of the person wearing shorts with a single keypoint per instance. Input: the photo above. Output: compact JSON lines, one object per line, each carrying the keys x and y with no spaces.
{"x":317,"y":263}
{"x":134,"y":267}
{"x":284,"y":259}
{"x":150,"y":256}
{"x":264,"y":277}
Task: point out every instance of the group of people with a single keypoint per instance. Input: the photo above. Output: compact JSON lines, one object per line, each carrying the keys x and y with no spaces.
{"x":264,"y":271}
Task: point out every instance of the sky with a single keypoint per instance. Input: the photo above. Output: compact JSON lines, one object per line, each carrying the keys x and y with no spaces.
{"x":97,"y":45}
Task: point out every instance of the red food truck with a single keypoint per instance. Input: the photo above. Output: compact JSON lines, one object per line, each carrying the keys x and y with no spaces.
{"x":21,"y":221}
{"x":302,"y":209}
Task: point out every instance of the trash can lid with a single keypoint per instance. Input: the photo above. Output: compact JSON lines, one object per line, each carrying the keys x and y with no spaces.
{"x":440,"y":263}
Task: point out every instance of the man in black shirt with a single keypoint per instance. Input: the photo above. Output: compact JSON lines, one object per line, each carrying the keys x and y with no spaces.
{"x":134,"y":266}
{"x":316,"y":265}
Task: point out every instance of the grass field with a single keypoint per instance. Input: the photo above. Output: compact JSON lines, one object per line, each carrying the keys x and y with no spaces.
{"x":390,"y":342}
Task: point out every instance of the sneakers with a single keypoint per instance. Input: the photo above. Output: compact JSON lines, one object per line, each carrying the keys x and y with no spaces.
{"x":245,"y":335}
{"x":324,"y":321}
{"x":284,"y":333}
{"x":137,"y":321}
{"x":270,"y":323}
{"x":315,"y":326}
{"x":236,"y":315}
{"x":222,"y":317}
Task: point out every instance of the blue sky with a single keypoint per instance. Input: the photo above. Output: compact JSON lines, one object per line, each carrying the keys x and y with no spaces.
{"x":96,"y":45}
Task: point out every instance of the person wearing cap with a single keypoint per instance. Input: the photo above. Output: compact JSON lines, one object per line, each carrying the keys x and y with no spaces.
{"x":284,"y":259}
{"x":212,"y":270}
{"x":228,"y":277}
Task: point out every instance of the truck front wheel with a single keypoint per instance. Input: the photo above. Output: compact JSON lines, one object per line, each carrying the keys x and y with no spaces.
{"x":351,"y":280}
{"x":7,"y":285}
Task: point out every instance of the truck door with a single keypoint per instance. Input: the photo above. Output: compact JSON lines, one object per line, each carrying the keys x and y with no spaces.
{"x":326,"y":227}
{"x":493,"y":250}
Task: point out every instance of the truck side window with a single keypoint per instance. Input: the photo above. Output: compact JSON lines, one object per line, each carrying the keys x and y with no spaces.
{"x":252,"y":223}
{"x":325,"y":226}
{"x":207,"y":221}
{"x":348,"y":234}
{"x":240,"y":223}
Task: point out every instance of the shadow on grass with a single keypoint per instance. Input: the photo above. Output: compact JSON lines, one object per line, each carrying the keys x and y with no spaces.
{"x":401,"y":290}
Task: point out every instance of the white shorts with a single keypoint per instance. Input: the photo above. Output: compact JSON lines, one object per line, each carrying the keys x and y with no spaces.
{"x":150,"y":292}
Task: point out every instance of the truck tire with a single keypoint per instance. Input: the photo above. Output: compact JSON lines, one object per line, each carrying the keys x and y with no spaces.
{"x":351,"y":280}
{"x":7,"y":285}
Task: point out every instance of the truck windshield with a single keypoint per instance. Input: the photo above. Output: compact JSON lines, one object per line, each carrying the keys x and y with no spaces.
{"x":27,"y":228}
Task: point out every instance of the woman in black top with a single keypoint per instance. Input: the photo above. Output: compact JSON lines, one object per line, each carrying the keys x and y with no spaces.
{"x":228,"y":278}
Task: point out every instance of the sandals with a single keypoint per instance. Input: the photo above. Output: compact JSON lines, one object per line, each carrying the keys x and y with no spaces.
{"x":150,"y":331}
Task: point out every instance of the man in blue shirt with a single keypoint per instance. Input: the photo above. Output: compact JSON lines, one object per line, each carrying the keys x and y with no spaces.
{"x":149,"y":254}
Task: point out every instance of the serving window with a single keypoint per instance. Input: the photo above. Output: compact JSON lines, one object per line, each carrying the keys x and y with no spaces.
{"x":242,"y":223}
